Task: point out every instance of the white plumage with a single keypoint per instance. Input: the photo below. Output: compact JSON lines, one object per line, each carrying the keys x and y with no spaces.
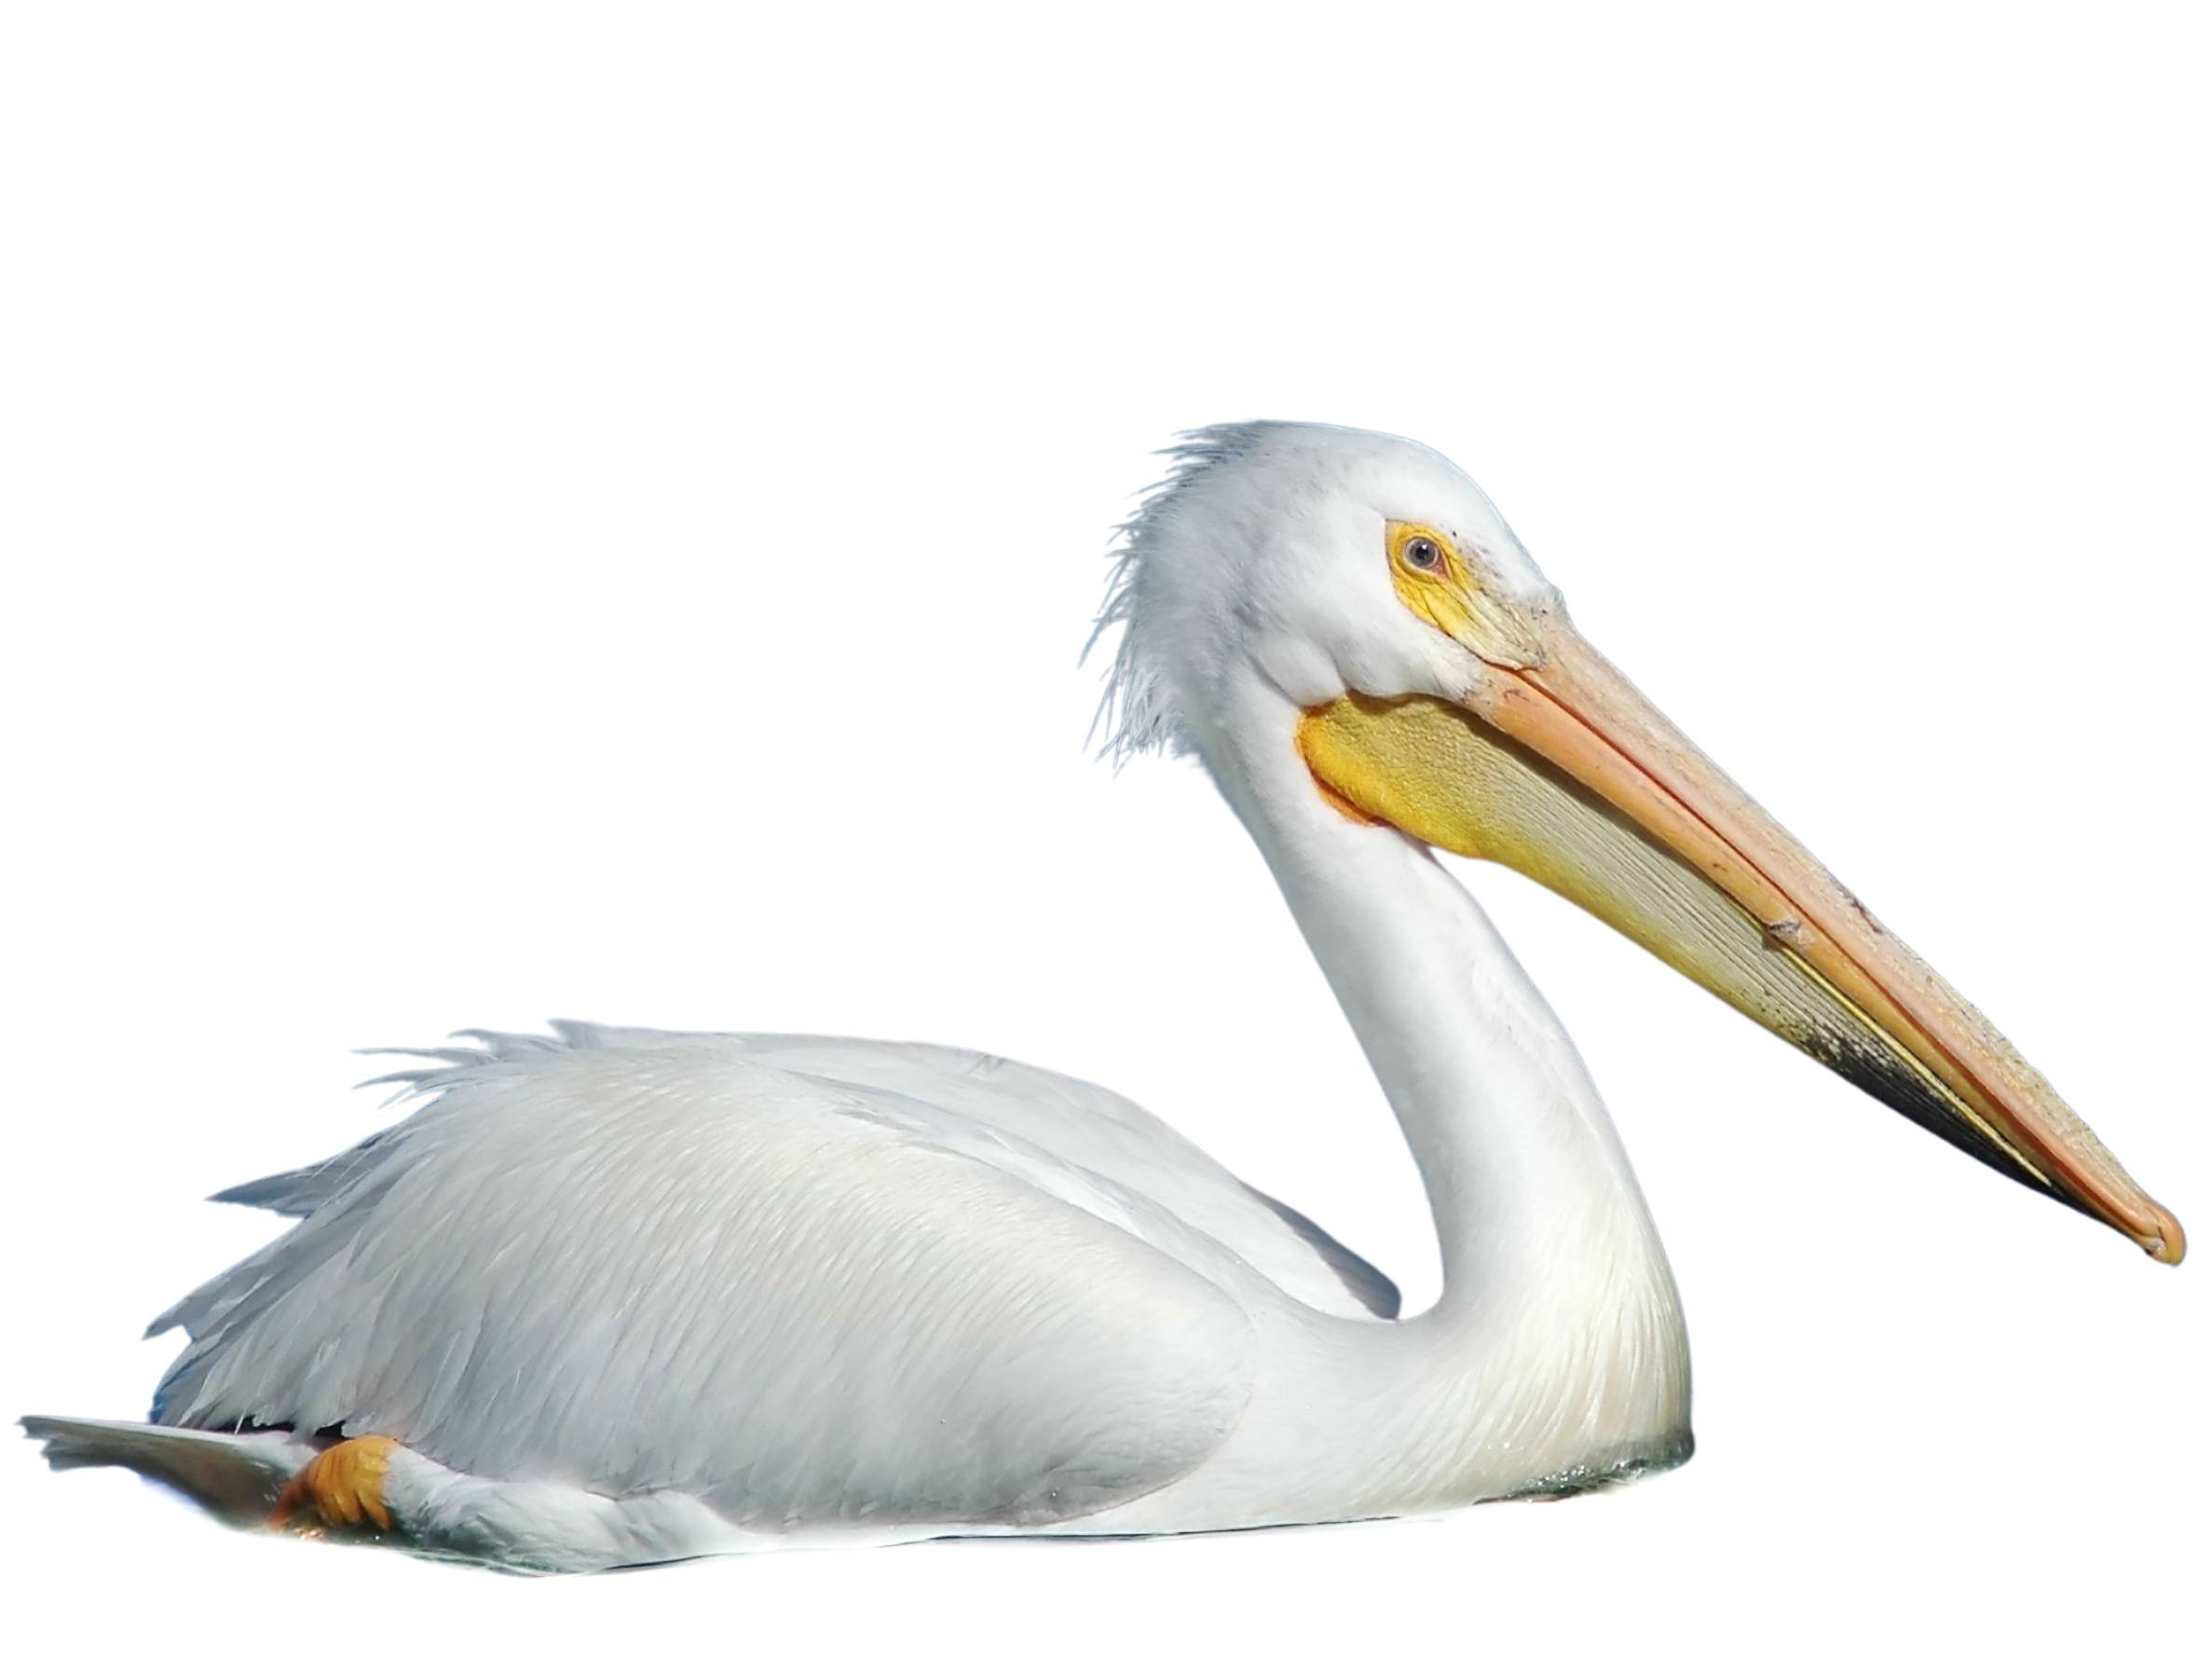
{"x":620,"y":1296}
{"x":691,"y":1292}
{"x":771,"y":1274}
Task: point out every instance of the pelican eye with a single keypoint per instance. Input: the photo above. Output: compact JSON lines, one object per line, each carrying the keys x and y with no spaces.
{"x":1422,"y":549}
{"x":1430,"y":571}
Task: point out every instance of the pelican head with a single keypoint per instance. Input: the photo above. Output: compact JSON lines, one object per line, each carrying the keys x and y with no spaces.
{"x":1356,"y":598}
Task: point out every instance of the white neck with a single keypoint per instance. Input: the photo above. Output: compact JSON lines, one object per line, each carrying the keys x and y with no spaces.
{"x":1557,"y":1341}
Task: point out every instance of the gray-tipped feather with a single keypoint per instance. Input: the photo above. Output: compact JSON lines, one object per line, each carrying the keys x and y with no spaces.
{"x":235,"y":1476}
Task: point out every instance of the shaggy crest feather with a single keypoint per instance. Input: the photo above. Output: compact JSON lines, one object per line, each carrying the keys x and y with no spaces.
{"x":1137,"y":710}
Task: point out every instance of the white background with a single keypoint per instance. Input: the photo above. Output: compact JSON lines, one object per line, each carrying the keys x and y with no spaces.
{"x":526,"y":513}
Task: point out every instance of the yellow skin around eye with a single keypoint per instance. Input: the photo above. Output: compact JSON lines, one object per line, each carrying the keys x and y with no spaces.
{"x":1433,"y":595}
{"x":1450,"y":599}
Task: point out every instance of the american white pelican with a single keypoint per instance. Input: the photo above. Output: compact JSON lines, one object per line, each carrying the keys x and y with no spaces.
{"x":616,"y":1295}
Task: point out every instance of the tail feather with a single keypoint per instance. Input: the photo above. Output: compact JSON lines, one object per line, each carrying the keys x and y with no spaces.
{"x":235,"y":1476}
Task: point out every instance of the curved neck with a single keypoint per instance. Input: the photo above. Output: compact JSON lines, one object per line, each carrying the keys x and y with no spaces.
{"x":1557,"y":1344}
{"x":1520,"y":1163}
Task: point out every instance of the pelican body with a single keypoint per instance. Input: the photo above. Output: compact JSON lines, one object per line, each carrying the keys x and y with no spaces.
{"x":612,"y":1297}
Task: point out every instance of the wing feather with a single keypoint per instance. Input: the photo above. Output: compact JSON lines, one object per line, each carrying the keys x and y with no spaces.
{"x":1076,"y":1122}
{"x":632,"y":1267}
{"x":1094,"y":1128}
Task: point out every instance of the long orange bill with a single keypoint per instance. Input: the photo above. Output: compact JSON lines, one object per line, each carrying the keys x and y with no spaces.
{"x":1557,"y":766}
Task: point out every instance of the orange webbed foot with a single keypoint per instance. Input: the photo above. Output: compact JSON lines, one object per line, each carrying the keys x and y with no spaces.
{"x":343,"y":1486}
